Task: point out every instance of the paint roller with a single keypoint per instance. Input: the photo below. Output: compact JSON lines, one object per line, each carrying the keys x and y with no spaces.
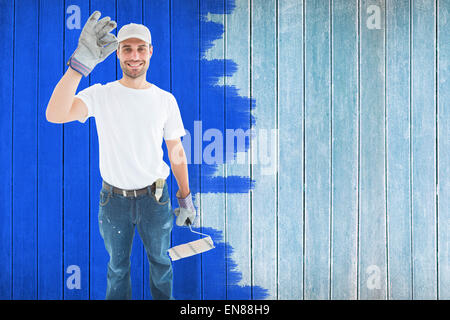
{"x":191,"y":248}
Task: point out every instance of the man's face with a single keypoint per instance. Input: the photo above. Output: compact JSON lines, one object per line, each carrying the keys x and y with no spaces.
{"x":134,"y":56}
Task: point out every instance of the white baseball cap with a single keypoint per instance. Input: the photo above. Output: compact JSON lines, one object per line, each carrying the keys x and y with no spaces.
{"x":133,"y":30}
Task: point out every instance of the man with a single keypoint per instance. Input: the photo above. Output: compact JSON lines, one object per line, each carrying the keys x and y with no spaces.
{"x":132,"y":117}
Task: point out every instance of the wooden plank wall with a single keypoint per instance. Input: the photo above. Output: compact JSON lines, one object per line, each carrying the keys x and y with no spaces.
{"x":343,"y":187}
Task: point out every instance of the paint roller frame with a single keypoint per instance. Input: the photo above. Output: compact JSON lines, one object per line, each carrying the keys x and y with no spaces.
{"x":191,"y":248}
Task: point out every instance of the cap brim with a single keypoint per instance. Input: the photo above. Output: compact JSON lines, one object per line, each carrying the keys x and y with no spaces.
{"x":138,"y":36}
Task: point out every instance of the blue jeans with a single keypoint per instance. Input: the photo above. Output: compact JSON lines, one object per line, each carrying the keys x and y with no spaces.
{"x":117,"y":217}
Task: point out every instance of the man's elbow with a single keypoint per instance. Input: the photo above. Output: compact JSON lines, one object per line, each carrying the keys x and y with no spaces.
{"x":176,"y":152}
{"x":51,"y":117}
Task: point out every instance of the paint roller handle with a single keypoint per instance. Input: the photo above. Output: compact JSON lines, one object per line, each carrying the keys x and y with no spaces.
{"x":185,"y":217}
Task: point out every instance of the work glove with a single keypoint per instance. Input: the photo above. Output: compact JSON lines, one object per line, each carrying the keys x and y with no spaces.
{"x":94,"y":45}
{"x":186,"y":212}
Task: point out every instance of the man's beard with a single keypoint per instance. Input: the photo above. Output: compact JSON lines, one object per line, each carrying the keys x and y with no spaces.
{"x":132,"y":74}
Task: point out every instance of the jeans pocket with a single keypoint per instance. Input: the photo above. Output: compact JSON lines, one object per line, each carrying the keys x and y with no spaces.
{"x":164,"y":198}
{"x":160,"y":202}
{"x":104,"y":198}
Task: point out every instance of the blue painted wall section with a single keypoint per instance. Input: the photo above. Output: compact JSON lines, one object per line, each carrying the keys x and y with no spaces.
{"x":238,"y":114}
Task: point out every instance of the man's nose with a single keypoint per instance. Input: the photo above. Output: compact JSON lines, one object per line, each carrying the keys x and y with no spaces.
{"x":134,"y":55}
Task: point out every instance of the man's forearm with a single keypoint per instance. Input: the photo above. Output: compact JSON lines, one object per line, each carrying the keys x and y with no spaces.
{"x":62,"y":96}
{"x":186,"y":212}
{"x":181,"y":175}
{"x":180,"y":171}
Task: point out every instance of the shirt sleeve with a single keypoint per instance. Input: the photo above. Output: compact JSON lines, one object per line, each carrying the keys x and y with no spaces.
{"x":173,"y":128}
{"x":89,"y":96}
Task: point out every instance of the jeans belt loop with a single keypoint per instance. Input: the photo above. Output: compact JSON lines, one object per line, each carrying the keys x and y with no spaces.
{"x":109,"y":188}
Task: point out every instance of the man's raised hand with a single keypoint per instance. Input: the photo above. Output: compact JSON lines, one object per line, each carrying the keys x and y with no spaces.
{"x":95,"y":44}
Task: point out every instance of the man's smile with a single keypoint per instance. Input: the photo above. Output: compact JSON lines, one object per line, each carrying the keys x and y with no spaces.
{"x":135,"y":65}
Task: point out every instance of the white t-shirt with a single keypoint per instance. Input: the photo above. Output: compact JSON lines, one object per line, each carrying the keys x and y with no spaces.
{"x":131,"y":124}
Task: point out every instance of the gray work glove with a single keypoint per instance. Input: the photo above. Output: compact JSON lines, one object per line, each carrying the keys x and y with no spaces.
{"x":186,"y":212}
{"x":94,"y":45}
